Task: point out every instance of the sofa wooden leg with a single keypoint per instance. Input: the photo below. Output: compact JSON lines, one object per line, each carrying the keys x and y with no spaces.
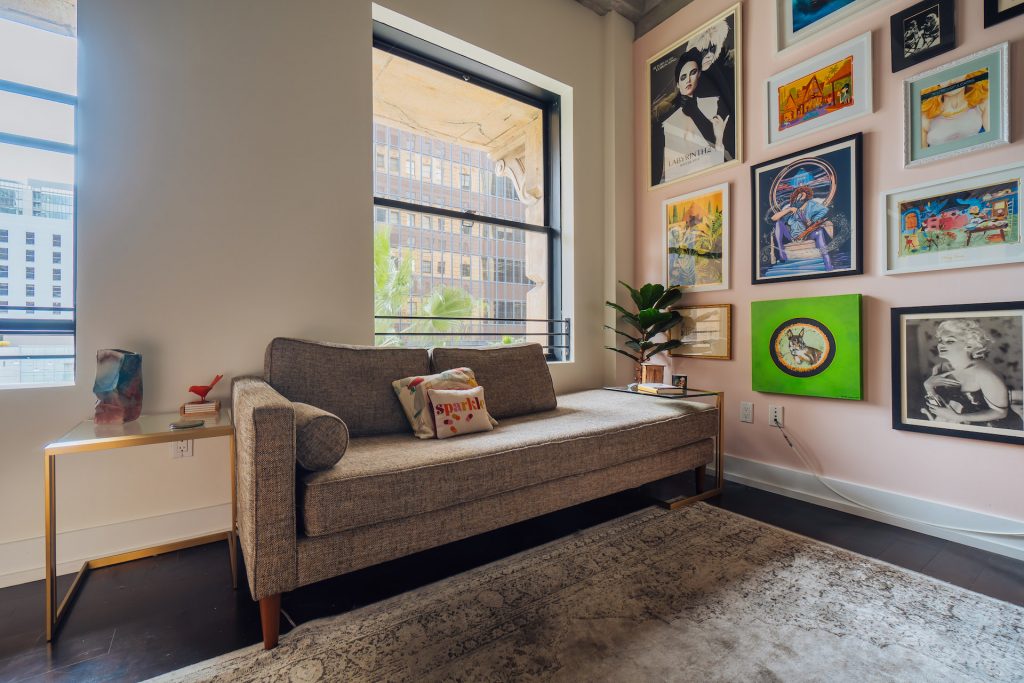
{"x":270,"y":619}
{"x":698,"y":475}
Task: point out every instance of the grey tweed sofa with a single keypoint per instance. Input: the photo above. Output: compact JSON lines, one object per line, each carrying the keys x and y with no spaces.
{"x":392,"y":494}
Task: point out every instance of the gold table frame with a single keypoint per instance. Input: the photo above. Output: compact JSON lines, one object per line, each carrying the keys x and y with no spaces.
{"x":88,"y":436}
{"x":691,"y":393}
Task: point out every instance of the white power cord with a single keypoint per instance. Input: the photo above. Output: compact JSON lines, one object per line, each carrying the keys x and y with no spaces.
{"x":813,"y":471}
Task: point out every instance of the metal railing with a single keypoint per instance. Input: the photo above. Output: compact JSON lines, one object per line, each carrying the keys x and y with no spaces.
{"x":554,"y":335}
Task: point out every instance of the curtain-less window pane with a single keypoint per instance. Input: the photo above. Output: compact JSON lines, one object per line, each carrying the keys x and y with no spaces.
{"x":36,"y":118}
{"x":483,"y":132}
{"x":31,"y":56}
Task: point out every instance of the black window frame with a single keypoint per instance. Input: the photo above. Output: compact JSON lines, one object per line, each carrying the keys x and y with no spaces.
{"x":431,"y":55}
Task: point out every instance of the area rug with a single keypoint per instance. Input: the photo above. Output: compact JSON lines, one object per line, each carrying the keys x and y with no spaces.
{"x":697,"y":594}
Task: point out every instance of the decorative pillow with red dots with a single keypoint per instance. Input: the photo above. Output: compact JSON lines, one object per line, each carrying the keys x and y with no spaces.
{"x":459,"y":411}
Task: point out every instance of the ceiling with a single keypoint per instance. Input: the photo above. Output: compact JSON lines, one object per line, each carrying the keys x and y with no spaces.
{"x":645,"y":14}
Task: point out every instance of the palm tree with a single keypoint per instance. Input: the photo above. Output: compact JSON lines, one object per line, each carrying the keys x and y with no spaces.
{"x":392,"y":287}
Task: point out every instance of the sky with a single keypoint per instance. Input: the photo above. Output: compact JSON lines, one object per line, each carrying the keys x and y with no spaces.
{"x":31,"y":56}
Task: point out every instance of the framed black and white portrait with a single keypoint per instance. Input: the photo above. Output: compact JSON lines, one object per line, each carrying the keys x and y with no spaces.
{"x":958,"y":370}
{"x":693,"y":92}
{"x":922,"y":31}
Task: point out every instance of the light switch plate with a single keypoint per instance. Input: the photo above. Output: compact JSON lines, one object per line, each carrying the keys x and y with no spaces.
{"x":746,"y":411}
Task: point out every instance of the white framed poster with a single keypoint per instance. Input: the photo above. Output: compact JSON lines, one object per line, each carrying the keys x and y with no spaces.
{"x":829,"y":88}
{"x":957,"y":223}
{"x":694,"y":95}
{"x":798,"y":20}
{"x":696,"y":240}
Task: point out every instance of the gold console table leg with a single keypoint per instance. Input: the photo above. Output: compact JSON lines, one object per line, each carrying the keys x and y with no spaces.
{"x":676,"y":503}
{"x":55,"y":613}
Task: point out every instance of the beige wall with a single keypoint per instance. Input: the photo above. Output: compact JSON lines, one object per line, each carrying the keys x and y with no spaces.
{"x":849,"y":441}
{"x":224,"y":198}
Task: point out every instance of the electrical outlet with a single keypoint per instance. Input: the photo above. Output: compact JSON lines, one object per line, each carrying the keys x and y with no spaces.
{"x":775,"y":416}
{"x":746,"y":411}
{"x":181,"y":449}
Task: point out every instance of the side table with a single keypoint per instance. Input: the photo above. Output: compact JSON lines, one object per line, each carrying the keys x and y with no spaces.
{"x":692,"y":393}
{"x":88,"y":436}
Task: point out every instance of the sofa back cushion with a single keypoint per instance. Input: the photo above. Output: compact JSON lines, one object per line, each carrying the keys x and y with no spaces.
{"x":515,"y":377}
{"x":352,"y":382}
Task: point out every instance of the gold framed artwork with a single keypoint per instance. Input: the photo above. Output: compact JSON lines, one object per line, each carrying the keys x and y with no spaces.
{"x":706,"y":332}
{"x":694,"y":91}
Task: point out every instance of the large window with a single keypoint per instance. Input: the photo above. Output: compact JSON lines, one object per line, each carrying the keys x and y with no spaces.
{"x":37,"y":138}
{"x":466,"y":231}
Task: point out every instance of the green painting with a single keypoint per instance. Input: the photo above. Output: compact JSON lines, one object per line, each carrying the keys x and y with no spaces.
{"x":808,"y":347}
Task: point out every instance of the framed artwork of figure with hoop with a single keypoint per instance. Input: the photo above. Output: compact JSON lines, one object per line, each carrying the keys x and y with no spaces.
{"x":806,"y":213}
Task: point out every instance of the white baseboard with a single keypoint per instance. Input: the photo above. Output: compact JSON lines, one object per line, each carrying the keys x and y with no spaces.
{"x":23,"y":561}
{"x":916,"y":514}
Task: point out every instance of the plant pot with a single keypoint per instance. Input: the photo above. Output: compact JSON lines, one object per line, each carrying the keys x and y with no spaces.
{"x":651,"y":372}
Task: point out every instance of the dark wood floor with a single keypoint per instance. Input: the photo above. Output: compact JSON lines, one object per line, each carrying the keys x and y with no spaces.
{"x":147,"y":617}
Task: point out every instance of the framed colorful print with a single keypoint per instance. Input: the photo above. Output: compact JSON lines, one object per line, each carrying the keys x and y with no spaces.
{"x":958,"y":107}
{"x":997,"y":11}
{"x":694,"y":92}
{"x":696,"y":229}
{"x":808,"y":347}
{"x":957,"y":370}
{"x":922,"y":31}
{"x":959,"y":223}
{"x":807,"y":214}
{"x":797,"y":20}
{"x":706,"y":332}
{"x":829,"y":88}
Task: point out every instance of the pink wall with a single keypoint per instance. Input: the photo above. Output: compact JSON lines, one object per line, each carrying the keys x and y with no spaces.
{"x":852,"y":441}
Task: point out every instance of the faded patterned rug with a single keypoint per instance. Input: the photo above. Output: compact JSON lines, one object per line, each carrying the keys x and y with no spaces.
{"x":698,"y":594}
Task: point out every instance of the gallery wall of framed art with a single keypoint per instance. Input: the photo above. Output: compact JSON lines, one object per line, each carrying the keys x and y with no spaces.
{"x":936,"y":230}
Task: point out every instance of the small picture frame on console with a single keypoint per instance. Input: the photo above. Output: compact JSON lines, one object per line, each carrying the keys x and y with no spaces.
{"x":957,"y":370}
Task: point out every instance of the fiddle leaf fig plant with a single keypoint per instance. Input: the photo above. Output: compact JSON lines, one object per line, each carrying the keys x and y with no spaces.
{"x":649,"y":320}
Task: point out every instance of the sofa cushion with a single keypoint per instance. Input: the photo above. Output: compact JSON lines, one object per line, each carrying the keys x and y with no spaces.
{"x":382,"y":478}
{"x":412,"y":395}
{"x":320,"y":437}
{"x":515,"y":377}
{"x":459,"y":411}
{"x":352,"y":382}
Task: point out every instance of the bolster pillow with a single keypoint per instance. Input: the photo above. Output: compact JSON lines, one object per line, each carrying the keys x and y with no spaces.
{"x":320,"y":437}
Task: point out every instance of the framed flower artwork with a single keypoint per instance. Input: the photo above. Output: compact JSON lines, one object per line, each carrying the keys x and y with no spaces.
{"x":696,"y":229}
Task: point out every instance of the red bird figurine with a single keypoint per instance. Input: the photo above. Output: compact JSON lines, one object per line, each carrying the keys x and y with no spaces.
{"x":201,"y":391}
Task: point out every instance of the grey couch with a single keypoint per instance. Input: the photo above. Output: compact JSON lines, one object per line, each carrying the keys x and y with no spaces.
{"x":392,"y":494}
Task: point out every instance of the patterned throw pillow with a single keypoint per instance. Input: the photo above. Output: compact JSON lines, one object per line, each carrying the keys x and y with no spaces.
{"x":412,"y":394}
{"x":459,"y":411}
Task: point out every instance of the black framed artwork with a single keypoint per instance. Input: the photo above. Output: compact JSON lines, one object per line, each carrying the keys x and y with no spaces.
{"x":958,"y":370}
{"x":922,"y":31}
{"x":806,"y":213}
{"x":997,"y":11}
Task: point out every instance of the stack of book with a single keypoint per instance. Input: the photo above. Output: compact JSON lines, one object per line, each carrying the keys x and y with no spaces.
{"x":659,"y":389}
{"x":200,"y":409}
